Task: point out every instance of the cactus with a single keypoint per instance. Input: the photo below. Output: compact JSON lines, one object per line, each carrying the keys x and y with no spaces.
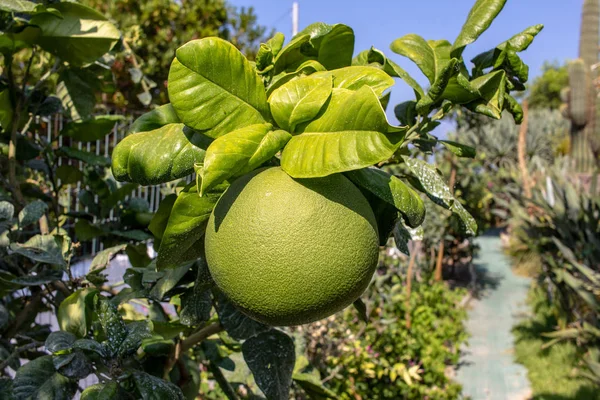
{"x":582,"y":108}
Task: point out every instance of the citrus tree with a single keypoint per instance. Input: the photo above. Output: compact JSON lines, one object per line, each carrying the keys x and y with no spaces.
{"x":284,"y":219}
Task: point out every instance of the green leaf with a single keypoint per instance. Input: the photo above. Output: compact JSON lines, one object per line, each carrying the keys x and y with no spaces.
{"x":393,"y":191}
{"x":102,"y":259}
{"x":31,"y":213}
{"x":85,"y":230}
{"x":313,"y":386}
{"x":7,"y":211}
{"x":85,"y":156}
{"x":68,"y":174}
{"x":406,"y":112}
{"x":307,"y":68}
{"x":17,"y":6}
{"x":153,"y":388}
{"x":479,"y":20}
{"x":102,"y":391}
{"x":90,"y":345}
{"x":181,"y":240}
{"x":491,"y":88}
{"x":438,"y":87}
{"x":211,"y":74}
{"x":157,"y":118}
{"x":75,"y":312}
{"x":299,"y":101}
{"x":80,"y":36}
{"x":513,"y":106}
{"x":41,"y":248}
{"x":74,"y":365}
{"x":4,"y":317}
{"x":40,"y":278}
{"x":459,"y":149}
{"x":169,"y":280}
{"x":432,"y":56}
{"x":351,"y":133}
{"x":437,"y":190}
{"x":60,"y":342}
{"x":197,"y":303}
{"x":354,"y":78}
{"x":236,"y":323}
{"x":158,"y":156}
{"x":361,"y":308}
{"x":137,"y":331}
{"x":271,"y":357}
{"x":114,"y":328}
{"x":92,"y":129}
{"x":76,"y":92}
{"x":240,"y":152}
{"x":375,"y":57}
{"x":38,"y":380}
{"x":334,"y":44}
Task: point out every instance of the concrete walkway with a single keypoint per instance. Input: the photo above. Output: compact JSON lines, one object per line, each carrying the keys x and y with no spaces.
{"x":487,"y":370}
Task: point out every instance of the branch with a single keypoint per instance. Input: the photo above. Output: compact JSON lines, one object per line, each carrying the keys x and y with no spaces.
{"x":201,"y":335}
{"x":30,"y":308}
{"x":19,"y":350}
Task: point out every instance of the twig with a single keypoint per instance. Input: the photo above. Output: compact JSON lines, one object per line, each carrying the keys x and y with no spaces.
{"x":201,"y":335}
{"x":522,"y":150}
{"x":19,"y":350}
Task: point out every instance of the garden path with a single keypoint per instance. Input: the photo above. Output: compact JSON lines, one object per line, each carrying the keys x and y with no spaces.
{"x":487,"y":369}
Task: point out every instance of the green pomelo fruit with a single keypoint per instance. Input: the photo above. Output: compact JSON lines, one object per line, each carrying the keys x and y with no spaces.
{"x":291,"y":251}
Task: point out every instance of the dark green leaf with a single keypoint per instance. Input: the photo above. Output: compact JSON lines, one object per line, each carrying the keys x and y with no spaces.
{"x":4,"y":317}
{"x":75,"y":90}
{"x":136,"y":332}
{"x":102,"y":259}
{"x":437,"y":190}
{"x":102,"y":391}
{"x":432,"y":57}
{"x":157,"y":346}
{"x":169,"y":280}
{"x":68,"y":174}
{"x":80,"y":35}
{"x":114,"y":328}
{"x":38,"y":380}
{"x":479,"y":20}
{"x":45,"y":276}
{"x":361,"y":308}
{"x":406,"y":112}
{"x":153,"y":388}
{"x":237,"y":324}
{"x":271,"y":357}
{"x":313,"y":386}
{"x":393,"y":191}
{"x":60,"y":342}
{"x":240,"y":152}
{"x":42,"y":248}
{"x":159,"y":221}
{"x":85,"y":156}
{"x":91,"y":129}
{"x":85,"y":230}
{"x":31,"y":213}
{"x":459,"y":149}
{"x":75,"y":312}
{"x":210,"y":74}
{"x":181,"y":241}
{"x":197,"y":303}
{"x":90,"y":346}
{"x":158,"y":156}
{"x":74,"y":365}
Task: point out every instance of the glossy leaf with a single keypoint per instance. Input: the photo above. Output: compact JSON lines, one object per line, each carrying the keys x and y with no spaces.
{"x":79,"y":36}
{"x":159,"y":221}
{"x":271,"y":357}
{"x":351,"y":133}
{"x":17,"y":6}
{"x":158,"y":156}
{"x":211,"y":74}
{"x":432,"y":57}
{"x":60,"y":342}
{"x":42,"y":248}
{"x":437,"y":190}
{"x":170,"y":279}
{"x":479,"y":20}
{"x":393,"y":191}
{"x":38,"y":380}
{"x":137,"y":331}
{"x":459,"y":149}
{"x":240,"y":152}
{"x":157,"y":118}
{"x":153,"y":388}
{"x":75,"y":312}
{"x":375,"y":57}
{"x":114,"y":328}
{"x":491,"y":88}
{"x":92,"y":129}
{"x":102,"y":259}
{"x":75,"y":90}
{"x":31,"y":213}
{"x":236,"y":323}
{"x":334,"y":43}
{"x":354,"y":78}
{"x":89,"y":345}
{"x":102,"y":391}
{"x":74,"y":365}
{"x":197,"y":303}
{"x":40,"y":278}
{"x":299,"y":101}
{"x":186,"y":227}
{"x":305,"y":69}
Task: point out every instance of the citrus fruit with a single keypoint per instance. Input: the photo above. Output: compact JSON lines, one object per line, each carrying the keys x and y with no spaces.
{"x":291,"y":251}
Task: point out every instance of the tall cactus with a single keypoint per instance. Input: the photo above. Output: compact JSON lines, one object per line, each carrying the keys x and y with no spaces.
{"x":582,"y":97}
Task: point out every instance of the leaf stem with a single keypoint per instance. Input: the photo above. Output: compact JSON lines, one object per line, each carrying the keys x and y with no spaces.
{"x":201,"y":335}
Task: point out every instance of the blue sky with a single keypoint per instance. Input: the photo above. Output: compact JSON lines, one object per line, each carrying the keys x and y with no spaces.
{"x":379,"y":22}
